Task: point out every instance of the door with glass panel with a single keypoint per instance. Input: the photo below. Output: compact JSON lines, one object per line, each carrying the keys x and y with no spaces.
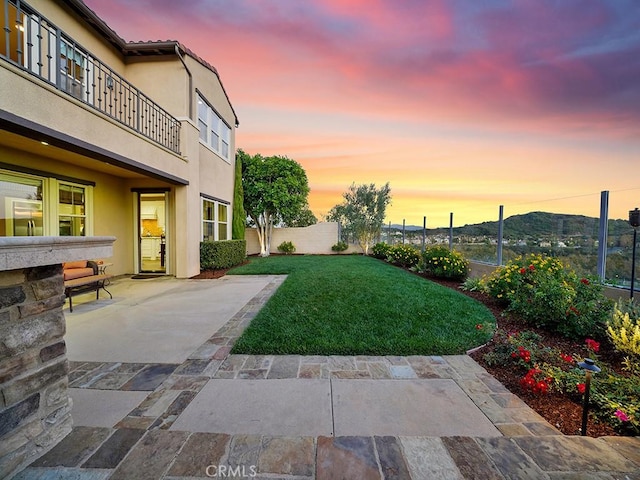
{"x":152,"y":238}
{"x":71,"y":210}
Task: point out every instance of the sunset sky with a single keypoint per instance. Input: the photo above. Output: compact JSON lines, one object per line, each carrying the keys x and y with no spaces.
{"x":462,"y":105}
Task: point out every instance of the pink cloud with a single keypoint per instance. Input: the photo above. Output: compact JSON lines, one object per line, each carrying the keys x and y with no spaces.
{"x":425,"y":94}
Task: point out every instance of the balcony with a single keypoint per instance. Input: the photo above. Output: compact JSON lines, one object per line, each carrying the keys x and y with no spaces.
{"x":32,"y":43}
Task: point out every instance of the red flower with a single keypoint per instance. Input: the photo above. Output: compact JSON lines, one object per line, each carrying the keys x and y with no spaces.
{"x":566,"y":358}
{"x":584,"y":281}
{"x":523,"y":271}
{"x":541,"y":387}
{"x":592,"y":345}
{"x":479,"y":326}
{"x":529,"y":382}
{"x":532,"y":268}
{"x":581,"y":387}
{"x":523,"y":353}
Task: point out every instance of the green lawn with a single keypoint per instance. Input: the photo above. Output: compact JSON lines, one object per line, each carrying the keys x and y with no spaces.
{"x":356,"y":305}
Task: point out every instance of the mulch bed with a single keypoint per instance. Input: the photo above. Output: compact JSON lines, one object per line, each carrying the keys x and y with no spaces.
{"x":209,"y":274}
{"x":560,"y":410}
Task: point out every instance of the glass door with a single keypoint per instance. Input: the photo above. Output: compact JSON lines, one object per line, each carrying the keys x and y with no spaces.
{"x":152,"y":239}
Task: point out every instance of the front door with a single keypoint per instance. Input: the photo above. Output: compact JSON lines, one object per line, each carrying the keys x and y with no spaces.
{"x":152,"y":239}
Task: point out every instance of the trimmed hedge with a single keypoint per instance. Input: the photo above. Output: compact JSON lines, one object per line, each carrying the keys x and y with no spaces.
{"x":222,"y":254}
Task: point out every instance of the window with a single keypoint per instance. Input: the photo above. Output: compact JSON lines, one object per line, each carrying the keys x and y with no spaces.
{"x":73,"y":70}
{"x":30,"y":41}
{"x":32,"y":205}
{"x":71,"y":210}
{"x":222,"y":221}
{"x":226,"y":133}
{"x":214,"y":132}
{"x":203,"y":116}
{"x":208,"y":221}
{"x":21,"y":212}
{"x":215,"y":224}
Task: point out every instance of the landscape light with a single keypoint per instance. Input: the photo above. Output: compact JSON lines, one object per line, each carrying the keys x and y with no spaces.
{"x":589,"y":366}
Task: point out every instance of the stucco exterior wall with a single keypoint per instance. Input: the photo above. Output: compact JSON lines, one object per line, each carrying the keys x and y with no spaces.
{"x":315,"y":239}
{"x":62,"y":17}
{"x":215,"y":173}
{"x":112,"y":203}
{"x":163,"y":79}
{"x":43,"y":104}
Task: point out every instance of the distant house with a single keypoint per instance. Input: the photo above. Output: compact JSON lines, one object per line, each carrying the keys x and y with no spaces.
{"x":103,"y":137}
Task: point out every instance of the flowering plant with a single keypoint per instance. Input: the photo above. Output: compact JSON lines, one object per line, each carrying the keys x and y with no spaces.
{"x":624,"y":330}
{"x":441,"y":262}
{"x":548,"y":294}
{"x":535,"y":381}
{"x":524,"y":348}
{"x":614,"y":396}
{"x":403,"y":255}
{"x":381,"y":250}
{"x":592,"y":345}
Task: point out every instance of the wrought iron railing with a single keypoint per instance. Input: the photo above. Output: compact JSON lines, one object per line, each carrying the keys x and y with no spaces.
{"x":29,"y":41}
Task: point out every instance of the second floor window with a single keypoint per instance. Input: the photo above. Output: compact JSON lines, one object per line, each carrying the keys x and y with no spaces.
{"x":74,"y":69}
{"x":214,"y":132}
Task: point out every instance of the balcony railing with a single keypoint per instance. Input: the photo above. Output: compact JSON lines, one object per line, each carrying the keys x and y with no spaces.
{"x":29,"y":41}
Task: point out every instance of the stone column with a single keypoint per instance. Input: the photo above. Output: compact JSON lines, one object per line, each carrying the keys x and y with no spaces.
{"x":35,"y":409}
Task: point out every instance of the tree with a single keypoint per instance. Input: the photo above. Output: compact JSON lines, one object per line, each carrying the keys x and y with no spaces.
{"x":239,"y":215}
{"x":362,"y":212}
{"x":304,"y":218}
{"x":275,"y":191}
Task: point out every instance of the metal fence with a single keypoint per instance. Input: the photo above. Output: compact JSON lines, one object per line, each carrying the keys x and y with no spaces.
{"x":592,"y":243}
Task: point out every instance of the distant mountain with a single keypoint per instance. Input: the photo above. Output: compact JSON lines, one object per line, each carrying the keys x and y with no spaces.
{"x":408,"y":228}
{"x":533,"y":224}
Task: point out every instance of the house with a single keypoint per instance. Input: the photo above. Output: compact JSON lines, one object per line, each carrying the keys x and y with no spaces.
{"x":99,"y":136}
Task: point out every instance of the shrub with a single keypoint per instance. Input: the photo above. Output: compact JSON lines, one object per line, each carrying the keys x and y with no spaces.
{"x":614,"y":396}
{"x":524,"y":349}
{"x":624,"y":330}
{"x":545,"y":369}
{"x":287,"y":248}
{"x":403,"y":255}
{"x":474,"y":284}
{"x":381,"y":250}
{"x":222,"y":254}
{"x":441,"y":262}
{"x":547,"y":294}
{"x":339,"y":247}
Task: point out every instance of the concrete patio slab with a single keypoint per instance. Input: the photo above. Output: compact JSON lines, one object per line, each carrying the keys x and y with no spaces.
{"x":287,"y":407}
{"x":102,"y":408}
{"x":171,"y":318}
{"x":431,"y":407}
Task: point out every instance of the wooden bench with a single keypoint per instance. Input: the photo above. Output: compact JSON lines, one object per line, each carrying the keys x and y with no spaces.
{"x":84,"y":285}
{"x":83,"y":277}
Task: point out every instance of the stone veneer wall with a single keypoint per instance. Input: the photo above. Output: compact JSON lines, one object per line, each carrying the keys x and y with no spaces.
{"x":35,"y":409}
